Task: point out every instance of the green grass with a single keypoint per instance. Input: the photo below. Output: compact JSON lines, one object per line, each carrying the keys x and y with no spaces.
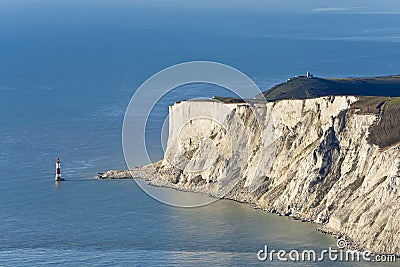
{"x":394,"y":102}
{"x":386,"y":130}
{"x":228,"y":100}
{"x":301,"y":87}
{"x":369,"y":104}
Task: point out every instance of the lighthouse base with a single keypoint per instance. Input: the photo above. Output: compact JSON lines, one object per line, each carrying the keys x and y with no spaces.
{"x":58,"y":179}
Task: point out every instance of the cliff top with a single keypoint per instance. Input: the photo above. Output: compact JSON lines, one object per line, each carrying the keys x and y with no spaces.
{"x":310,"y":87}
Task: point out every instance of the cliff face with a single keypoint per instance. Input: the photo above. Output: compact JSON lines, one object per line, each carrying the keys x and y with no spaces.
{"x":306,"y":158}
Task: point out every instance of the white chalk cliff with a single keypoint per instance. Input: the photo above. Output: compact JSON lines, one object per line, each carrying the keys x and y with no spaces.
{"x":305,"y":158}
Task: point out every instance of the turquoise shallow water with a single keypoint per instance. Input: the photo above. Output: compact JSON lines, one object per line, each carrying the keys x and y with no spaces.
{"x":66,"y":76}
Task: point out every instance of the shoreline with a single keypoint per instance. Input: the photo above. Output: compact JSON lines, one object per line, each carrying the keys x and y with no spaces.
{"x":135,"y":174}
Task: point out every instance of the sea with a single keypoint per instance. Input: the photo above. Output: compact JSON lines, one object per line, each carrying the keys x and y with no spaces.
{"x":67,"y":74}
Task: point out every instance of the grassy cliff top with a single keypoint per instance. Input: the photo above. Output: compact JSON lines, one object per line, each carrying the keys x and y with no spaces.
{"x":385,"y":131}
{"x":303,"y":87}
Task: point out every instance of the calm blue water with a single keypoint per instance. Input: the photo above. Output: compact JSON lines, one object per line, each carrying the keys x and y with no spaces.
{"x":67,"y":73}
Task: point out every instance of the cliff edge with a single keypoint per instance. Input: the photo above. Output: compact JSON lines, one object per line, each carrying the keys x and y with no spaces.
{"x":330,"y":160}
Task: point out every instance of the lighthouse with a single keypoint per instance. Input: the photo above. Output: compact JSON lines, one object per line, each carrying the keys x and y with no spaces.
{"x":58,"y":171}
